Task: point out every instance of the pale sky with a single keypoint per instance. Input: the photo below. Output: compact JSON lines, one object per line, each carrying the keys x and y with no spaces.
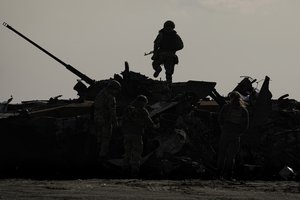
{"x":224,"y":39}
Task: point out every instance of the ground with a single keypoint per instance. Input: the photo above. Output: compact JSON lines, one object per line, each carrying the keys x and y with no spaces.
{"x":146,"y":189}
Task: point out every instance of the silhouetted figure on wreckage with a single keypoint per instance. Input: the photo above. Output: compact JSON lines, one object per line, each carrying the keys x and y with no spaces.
{"x":166,"y":44}
{"x":134,"y":122}
{"x":105,"y":116}
{"x":234,"y":121}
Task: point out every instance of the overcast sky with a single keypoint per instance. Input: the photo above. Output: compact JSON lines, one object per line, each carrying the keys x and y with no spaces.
{"x":224,"y":39}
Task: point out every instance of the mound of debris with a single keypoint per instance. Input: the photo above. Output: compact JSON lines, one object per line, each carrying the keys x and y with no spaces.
{"x":56,"y":138}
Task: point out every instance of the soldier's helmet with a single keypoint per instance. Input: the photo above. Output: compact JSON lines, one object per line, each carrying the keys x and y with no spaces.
{"x":142,"y":99}
{"x":169,"y":24}
{"x":115,"y":85}
{"x":234,"y":95}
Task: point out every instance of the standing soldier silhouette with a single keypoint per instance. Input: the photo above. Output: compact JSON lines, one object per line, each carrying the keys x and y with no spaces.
{"x":105,"y":116}
{"x":134,"y":122}
{"x":234,"y":121}
{"x":166,"y":44}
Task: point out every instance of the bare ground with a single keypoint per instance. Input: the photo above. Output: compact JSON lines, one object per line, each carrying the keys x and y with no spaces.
{"x":146,"y":189}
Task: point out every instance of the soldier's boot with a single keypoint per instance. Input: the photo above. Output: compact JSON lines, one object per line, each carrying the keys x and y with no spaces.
{"x":157,"y":68}
{"x":169,"y":82}
{"x":157,"y":72}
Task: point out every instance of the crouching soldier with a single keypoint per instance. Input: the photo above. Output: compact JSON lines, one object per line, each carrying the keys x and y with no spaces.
{"x":105,"y":116}
{"x":135,"y":119}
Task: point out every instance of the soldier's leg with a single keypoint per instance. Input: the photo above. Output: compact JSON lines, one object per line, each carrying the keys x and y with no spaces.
{"x":127,"y":153}
{"x":232,"y":151}
{"x":105,"y":140}
{"x":169,"y":67}
{"x":98,"y":134}
{"x":222,"y":152}
{"x":221,"y":156}
{"x":136,"y":155}
{"x":157,"y":68}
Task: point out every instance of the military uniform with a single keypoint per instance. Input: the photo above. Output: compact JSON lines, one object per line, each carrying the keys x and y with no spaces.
{"x":166,"y":44}
{"x":105,"y":119}
{"x":134,"y":122}
{"x":234,"y":120}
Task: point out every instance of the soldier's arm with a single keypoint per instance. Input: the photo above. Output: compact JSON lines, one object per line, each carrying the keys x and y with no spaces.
{"x":221,"y":115}
{"x":157,"y":42}
{"x":246,"y":118}
{"x":179,"y":43}
{"x":112,"y":110}
{"x":148,"y":121}
{"x":124,"y":117}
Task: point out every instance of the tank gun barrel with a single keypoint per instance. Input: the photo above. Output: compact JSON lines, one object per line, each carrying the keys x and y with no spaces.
{"x":84,"y":77}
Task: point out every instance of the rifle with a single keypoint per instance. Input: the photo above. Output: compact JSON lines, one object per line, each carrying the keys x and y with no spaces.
{"x":149,"y":53}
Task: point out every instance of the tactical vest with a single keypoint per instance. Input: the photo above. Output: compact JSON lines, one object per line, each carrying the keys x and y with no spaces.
{"x":170,"y":41}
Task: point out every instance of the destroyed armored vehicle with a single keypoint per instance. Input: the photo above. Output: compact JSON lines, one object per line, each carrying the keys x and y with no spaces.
{"x":55,"y":138}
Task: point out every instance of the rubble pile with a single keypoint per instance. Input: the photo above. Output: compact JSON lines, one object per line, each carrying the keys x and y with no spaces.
{"x":56,"y":138}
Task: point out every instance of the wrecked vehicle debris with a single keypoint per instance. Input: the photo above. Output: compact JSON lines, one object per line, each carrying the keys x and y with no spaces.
{"x":56,"y":137}
{"x":4,"y":105}
{"x":61,"y":138}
